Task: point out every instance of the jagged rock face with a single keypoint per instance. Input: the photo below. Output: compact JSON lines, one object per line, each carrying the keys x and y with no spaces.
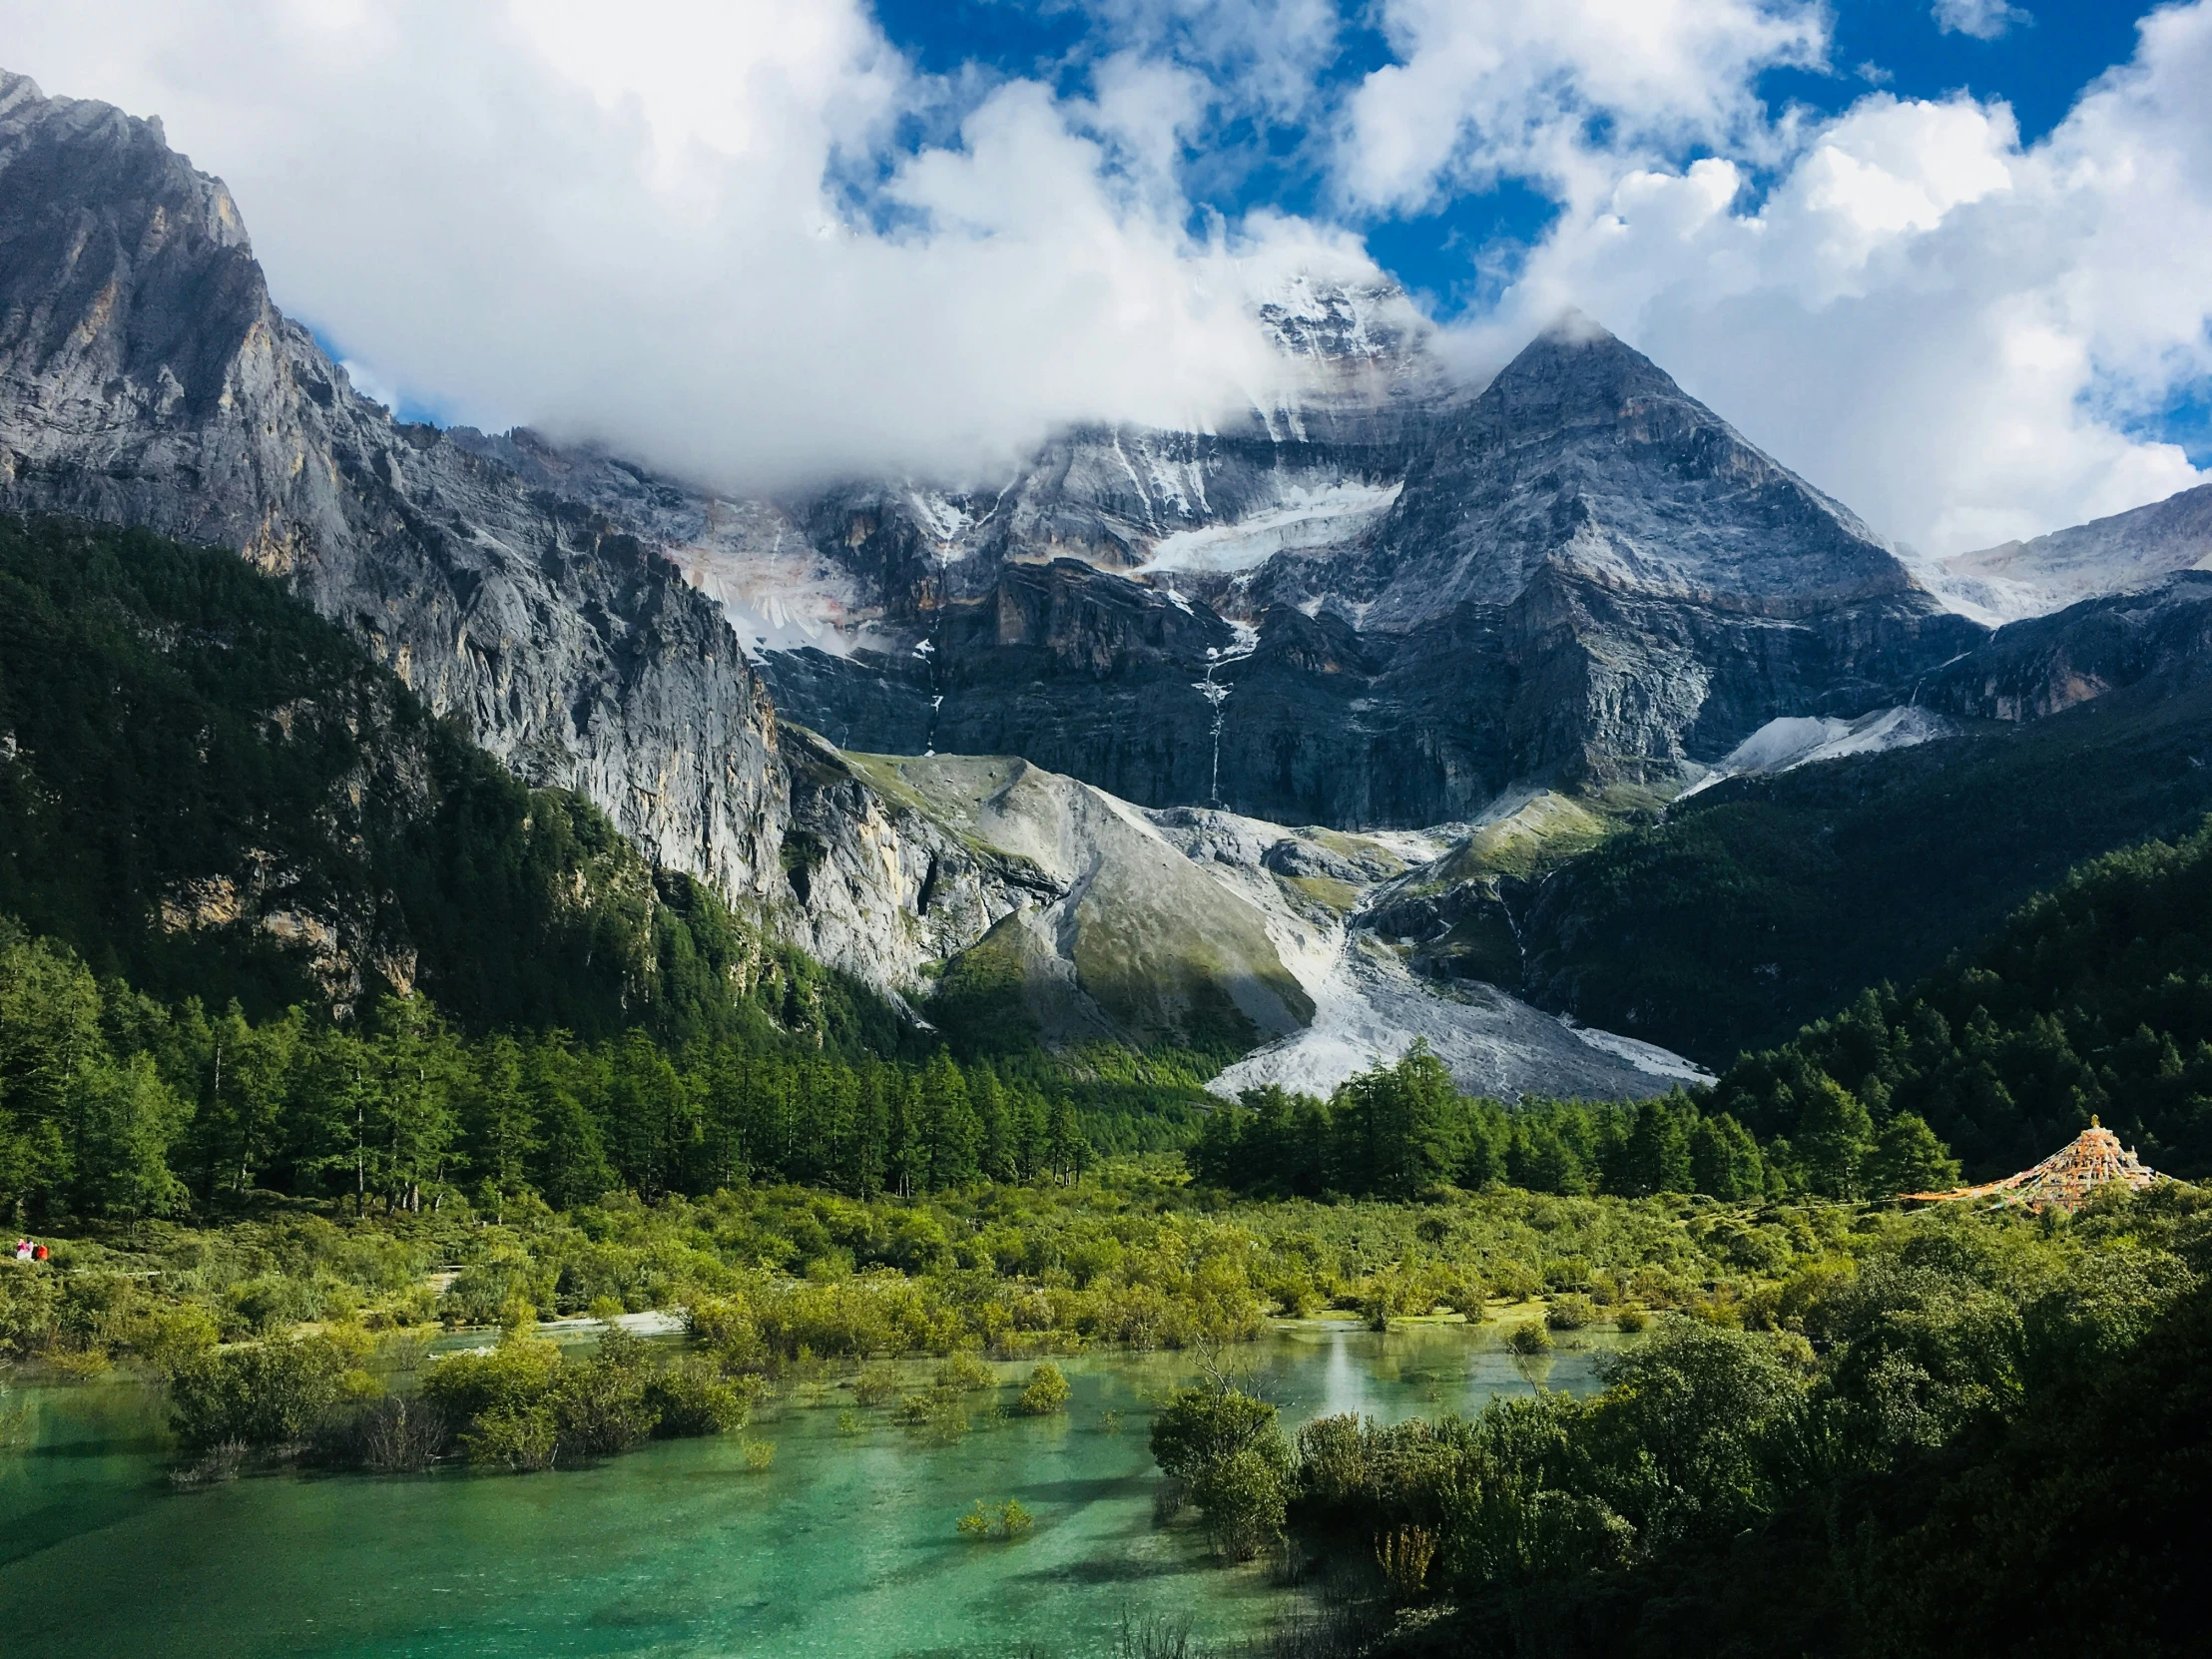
{"x":145,"y":377}
{"x":149,"y":379}
{"x":2128,"y":552}
{"x":1581,"y":576}
{"x":2045,"y":664}
{"x":879,"y":886}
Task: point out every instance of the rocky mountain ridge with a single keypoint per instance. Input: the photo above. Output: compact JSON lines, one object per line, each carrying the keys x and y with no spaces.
{"x":147,"y":377}
{"x":2125,"y":553}
{"x":1381,"y":599}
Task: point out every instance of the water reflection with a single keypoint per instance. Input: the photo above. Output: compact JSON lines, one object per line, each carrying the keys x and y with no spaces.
{"x":846,"y":1546}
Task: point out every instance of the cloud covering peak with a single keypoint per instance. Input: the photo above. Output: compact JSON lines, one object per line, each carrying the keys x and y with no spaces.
{"x":760,"y":243}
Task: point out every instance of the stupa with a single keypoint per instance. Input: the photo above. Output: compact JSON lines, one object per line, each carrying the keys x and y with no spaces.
{"x":2066,"y":1178}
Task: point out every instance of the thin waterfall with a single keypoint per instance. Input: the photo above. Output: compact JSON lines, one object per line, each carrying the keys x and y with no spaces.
{"x":927,"y":652}
{"x":1216,"y":695}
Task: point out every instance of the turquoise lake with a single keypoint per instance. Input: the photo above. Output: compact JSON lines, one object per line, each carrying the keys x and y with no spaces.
{"x":844,"y":1546}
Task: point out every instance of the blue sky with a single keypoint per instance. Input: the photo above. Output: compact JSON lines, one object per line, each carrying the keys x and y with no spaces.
{"x":2038,"y":64}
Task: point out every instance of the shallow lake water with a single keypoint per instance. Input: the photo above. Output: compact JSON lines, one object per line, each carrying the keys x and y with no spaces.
{"x":844,"y":1546}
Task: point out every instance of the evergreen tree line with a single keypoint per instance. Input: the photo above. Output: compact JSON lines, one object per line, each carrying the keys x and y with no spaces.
{"x":1394,"y":1130}
{"x":115,"y":1105}
{"x":2095,"y":1000}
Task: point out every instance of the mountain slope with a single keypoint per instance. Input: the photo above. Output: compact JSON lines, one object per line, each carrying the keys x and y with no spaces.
{"x":2124,"y":553}
{"x":1762,"y":902}
{"x":2095,"y":1000}
{"x":145,"y":377}
{"x":1580,"y":576}
{"x":1248,"y":945}
{"x":209,"y":791}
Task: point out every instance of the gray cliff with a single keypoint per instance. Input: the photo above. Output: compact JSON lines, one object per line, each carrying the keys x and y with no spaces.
{"x":145,"y":377}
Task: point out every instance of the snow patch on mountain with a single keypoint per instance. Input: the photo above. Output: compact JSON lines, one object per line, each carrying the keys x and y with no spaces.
{"x":1370,"y":1008}
{"x":1306,"y":517}
{"x":1802,"y":739}
{"x":2125,"y":553}
{"x":780,"y":592}
{"x":1645,"y":1057}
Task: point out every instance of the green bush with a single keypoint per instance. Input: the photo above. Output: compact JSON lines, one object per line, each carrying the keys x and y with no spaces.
{"x":603,"y":1405}
{"x":1226,"y":1449}
{"x":965,"y":1373}
{"x":260,"y":1305}
{"x":691,"y":1396}
{"x":273,"y":1394}
{"x":1528,"y":1339}
{"x":1048,"y":1392}
{"x":877,"y":1385}
{"x":1570,"y":1313}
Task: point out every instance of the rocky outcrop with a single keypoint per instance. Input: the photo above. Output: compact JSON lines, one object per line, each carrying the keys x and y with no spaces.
{"x":2047,"y":663}
{"x":1581,"y":577}
{"x":2126,"y":553}
{"x":145,"y":377}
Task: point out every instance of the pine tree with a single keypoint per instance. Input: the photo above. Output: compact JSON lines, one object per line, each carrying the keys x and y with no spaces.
{"x":1724,"y":1160}
{"x":1835,"y":1136}
{"x":416,"y":1068}
{"x":949,"y":1123}
{"x":498,"y":1127}
{"x":1907,"y":1158}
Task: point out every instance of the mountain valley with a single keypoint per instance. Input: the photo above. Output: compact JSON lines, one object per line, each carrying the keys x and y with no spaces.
{"x":1040,"y":745}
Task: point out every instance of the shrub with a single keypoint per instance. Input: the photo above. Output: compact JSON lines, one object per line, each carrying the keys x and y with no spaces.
{"x":1516,"y":1280}
{"x":1048,"y":1392}
{"x":1570,"y":1313}
{"x":965,"y":1373}
{"x":500,"y":1402}
{"x":1004,"y":1521}
{"x":1631,"y":1319}
{"x":389,"y":1435}
{"x":172,"y":1337}
{"x":271,"y":1303}
{"x":602,"y":1404}
{"x":1227,"y":1451}
{"x":941,"y":1414}
{"x":275,"y":1394}
{"x":519,"y":1437}
{"x":1529,"y":1339}
{"x":875,"y":1385}
{"x":691,"y":1396}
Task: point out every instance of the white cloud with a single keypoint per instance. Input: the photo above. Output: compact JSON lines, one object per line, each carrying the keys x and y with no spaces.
{"x":1556,"y":92}
{"x":703,"y":231}
{"x":1982,"y":19}
{"x":685,"y":227}
{"x":1959,"y":336}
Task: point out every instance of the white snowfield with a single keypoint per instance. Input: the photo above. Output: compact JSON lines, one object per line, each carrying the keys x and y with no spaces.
{"x":1307,"y":518}
{"x":1801,"y":740}
{"x":1369,"y":1009}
